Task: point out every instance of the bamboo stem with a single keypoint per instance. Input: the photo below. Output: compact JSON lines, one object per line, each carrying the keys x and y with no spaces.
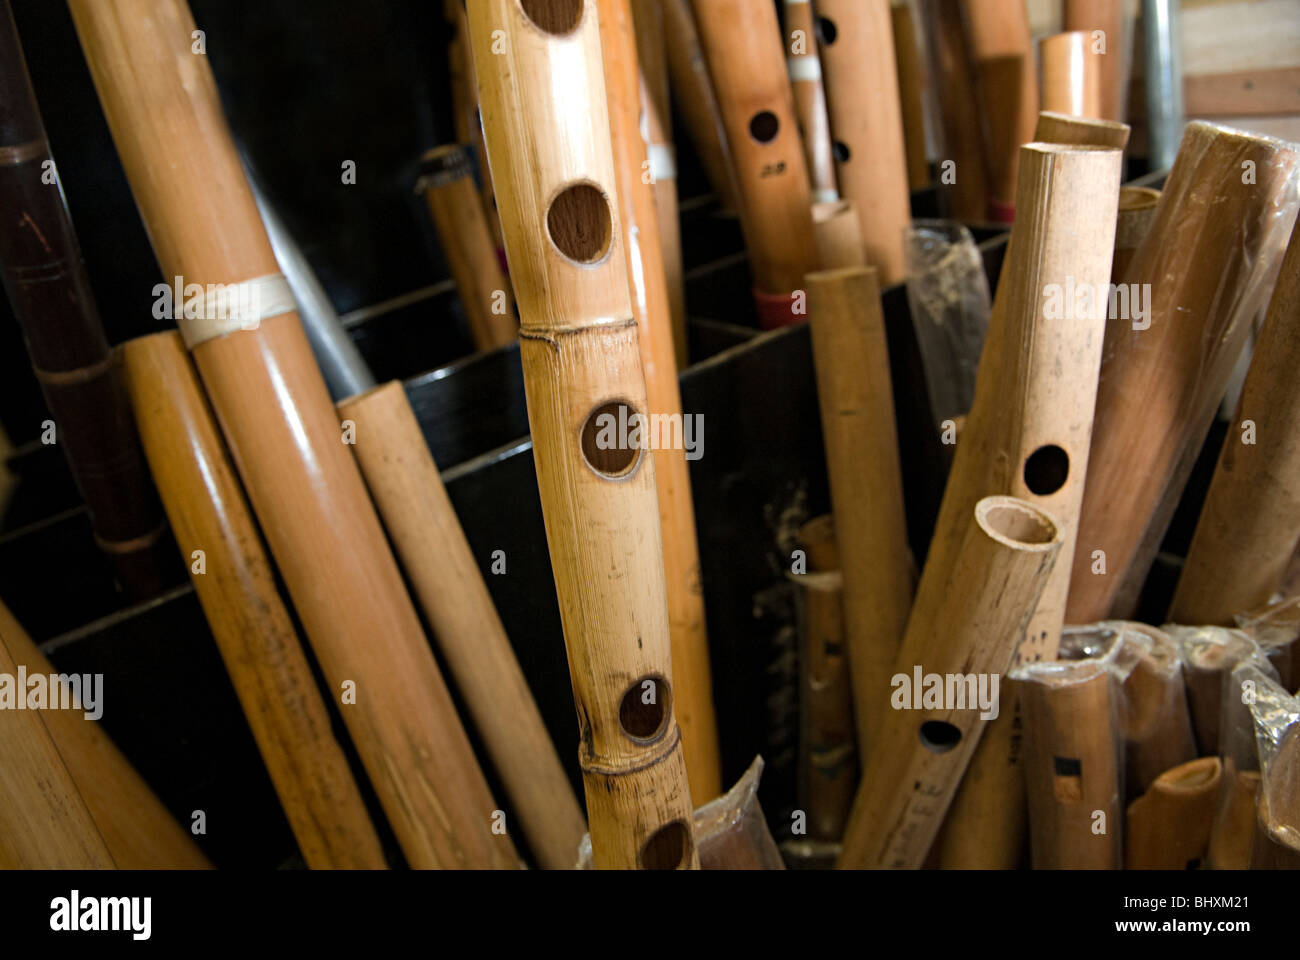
{"x":839,"y":235}
{"x":1233,"y":833}
{"x":911,"y":92}
{"x":805,"y":69}
{"x":1071,"y":75}
{"x":1137,"y":209}
{"x":546,"y":122}
{"x":966,"y":182}
{"x":1110,"y":18}
{"x":1168,"y":827}
{"x":1082,"y":131}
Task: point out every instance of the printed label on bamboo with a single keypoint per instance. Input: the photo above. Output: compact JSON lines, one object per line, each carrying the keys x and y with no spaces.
{"x":75,"y":913}
{"x":55,"y":691}
{"x":949,"y":691}
{"x":631,"y":430}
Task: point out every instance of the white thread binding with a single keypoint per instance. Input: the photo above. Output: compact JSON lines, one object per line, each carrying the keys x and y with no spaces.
{"x":663,"y":165}
{"x":805,"y":68}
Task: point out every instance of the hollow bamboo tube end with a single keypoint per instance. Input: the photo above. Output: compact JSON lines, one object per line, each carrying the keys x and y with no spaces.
{"x":1055,"y":127}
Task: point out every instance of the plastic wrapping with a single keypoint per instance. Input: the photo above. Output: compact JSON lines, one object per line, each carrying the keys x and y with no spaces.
{"x":948,"y":293}
{"x":1276,"y":628}
{"x":1208,"y":655}
{"x":730,"y":832}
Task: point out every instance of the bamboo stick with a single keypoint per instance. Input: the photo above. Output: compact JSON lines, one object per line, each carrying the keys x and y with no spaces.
{"x":1208,"y":654}
{"x":1168,"y":827}
{"x":447,"y":182}
{"x":250,"y":624}
{"x":1071,"y":75}
{"x":548,"y":136}
{"x":692,"y":675}
{"x":1007,"y":84}
{"x":1157,"y":724}
{"x":741,"y":40}
{"x":404,"y":481}
{"x":305,"y":489}
{"x":1250,"y":522}
{"x":857,"y":409}
{"x":45,"y":278}
{"x":1112,"y":48}
{"x":1137,"y":210}
{"x":920,"y":755}
{"x":828,"y":762}
{"x":867,"y":124}
{"x":966,"y":182}
{"x":1204,"y":270}
{"x":805,"y":68}
{"x":1276,"y":628}
{"x":1233,"y":833}
{"x":693,"y":93}
{"x":1028,"y":435}
{"x":839,"y":235}
{"x":1072,"y":764}
{"x":1082,"y":131}
{"x":911,"y":91}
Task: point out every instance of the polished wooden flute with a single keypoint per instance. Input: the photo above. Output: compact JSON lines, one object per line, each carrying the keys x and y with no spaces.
{"x":83,"y":804}
{"x":1107,"y":25}
{"x":268,"y":395}
{"x":1071,"y":75}
{"x":805,"y":69}
{"x":1181,"y":315}
{"x":911,"y":92}
{"x":252,"y":628}
{"x":742,"y":41}
{"x":692,"y":673}
{"x":548,"y":137}
{"x":44,"y":275}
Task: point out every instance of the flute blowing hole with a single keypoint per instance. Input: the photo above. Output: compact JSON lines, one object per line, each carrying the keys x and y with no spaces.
{"x":554,"y":16}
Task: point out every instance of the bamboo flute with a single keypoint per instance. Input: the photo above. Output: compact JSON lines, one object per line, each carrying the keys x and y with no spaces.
{"x":805,"y":70}
{"x":1072,"y":751}
{"x":130,"y":821}
{"x":1082,"y":131}
{"x":742,"y":41}
{"x":1137,"y":209}
{"x":1112,"y":48}
{"x":1158,"y":733}
{"x":692,"y":673}
{"x":839,"y":235}
{"x":828,"y":761}
{"x":1027,"y":435}
{"x":1168,"y":827}
{"x":911,"y":92}
{"x":545,"y":119}
{"x":1276,"y":628}
{"x":1071,"y":75}
{"x":46,"y":281}
{"x":661,"y":157}
{"x":856,"y":399}
{"x":447,"y":182}
{"x":404,"y":481}
{"x":236,"y":587}
{"x":1209,"y":654}
{"x":1233,"y":833}
{"x":1203,"y":271}
{"x":998,"y":34}
{"x":867,"y":124}
{"x":693,"y":93}
{"x":966,"y":183}
{"x":920,"y":755}
{"x":305,"y":489}
{"x":1250,"y":523}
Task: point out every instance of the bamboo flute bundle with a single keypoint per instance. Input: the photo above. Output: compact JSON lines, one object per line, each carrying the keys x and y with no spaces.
{"x":693,"y":93}
{"x":1276,"y":628}
{"x":742,"y":41}
{"x":1112,"y":47}
{"x":657,"y":131}
{"x":856,"y":399}
{"x":1007,"y":83}
{"x":1137,"y":209}
{"x":547,"y":129}
{"x":305,"y":489}
{"x":839,"y":235}
{"x":1250,"y":522}
{"x":1071,"y":75}
{"x":867,"y":125}
{"x":252,"y":629}
{"x":1205,"y":268}
{"x":828,"y":765}
{"x":1072,"y":763}
{"x":404,"y":481}
{"x":692,"y":673}
{"x":1233,"y":833}
{"x":1081,"y":131}
{"x":966,"y":182}
{"x":1158,"y":733}
{"x":911,"y":92}
{"x":1028,"y":435}
{"x":46,"y":281}
{"x":447,"y":182}
{"x":1168,"y":827}
{"x":920,"y":755}
{"x":136,"y":829}
{"x":805,"y":69}
{"x":1209,"y":654}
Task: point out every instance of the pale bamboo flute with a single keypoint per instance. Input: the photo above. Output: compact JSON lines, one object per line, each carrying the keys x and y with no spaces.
{"x":805,"y":68}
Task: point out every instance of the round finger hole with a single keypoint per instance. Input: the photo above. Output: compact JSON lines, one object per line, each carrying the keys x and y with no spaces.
{"x":1047,"y":469}
{"x":553,"y":16}
{"x":764,"y":126}
{"x":842,"y":151}
{"x":667,"y":848}
{"x":643,"y":714}
{"x":826,"y":31}
{"x":939,"y":737}
{"x":579,"y":223}
{"x":608,"y":441}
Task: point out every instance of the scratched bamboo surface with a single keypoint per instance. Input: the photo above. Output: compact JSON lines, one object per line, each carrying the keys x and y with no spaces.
{"x":268,"y":395}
